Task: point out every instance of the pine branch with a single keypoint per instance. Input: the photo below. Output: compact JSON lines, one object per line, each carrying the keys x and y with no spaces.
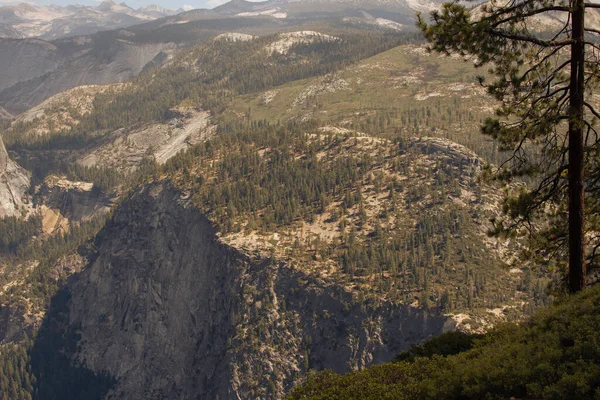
{"x":519,"y":6}
{"x":566,"y":29}
{"x":537,"y":65}
{"x":590,"y":129}
{"x":518,"y":17}
{"x":592,"y":109}
{"x":530,"y":39}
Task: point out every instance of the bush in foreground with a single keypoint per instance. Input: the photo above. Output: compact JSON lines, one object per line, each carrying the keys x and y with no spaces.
{"x":554,"y":356}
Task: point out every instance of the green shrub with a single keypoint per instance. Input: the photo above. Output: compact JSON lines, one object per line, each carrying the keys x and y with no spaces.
{"x":554,"y":356}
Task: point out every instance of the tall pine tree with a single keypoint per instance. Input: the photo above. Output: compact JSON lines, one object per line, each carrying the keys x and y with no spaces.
{"x":544,"y":64}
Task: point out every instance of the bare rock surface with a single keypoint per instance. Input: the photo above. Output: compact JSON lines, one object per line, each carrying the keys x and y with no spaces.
{"x":64,"y":110}
{"x":161,"y":141}
{"x":37,"y":70}
{"x":29,"y":58}
{"x":169,"y":311}
{"x":14,"y":182}
{"x":5,"y":115}
{"x":64,"y":201}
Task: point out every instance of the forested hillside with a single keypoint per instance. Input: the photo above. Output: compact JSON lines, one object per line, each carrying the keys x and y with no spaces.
{"x":255,"y":207}
{"x":344,"y":206}
{"x":211,"y":74}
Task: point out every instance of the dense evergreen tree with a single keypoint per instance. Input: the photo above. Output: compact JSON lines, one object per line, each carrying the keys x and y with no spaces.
{"x":541,"y":90}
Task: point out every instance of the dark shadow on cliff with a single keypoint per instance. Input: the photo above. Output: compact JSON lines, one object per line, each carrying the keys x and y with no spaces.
{"x":331,"y":316}
{"x":57,"y":377}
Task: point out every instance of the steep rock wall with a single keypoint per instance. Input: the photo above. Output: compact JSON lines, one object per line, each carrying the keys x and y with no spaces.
{"x":14,"y":182}
{"x":39,"y":70}
{"x":169,"y":312}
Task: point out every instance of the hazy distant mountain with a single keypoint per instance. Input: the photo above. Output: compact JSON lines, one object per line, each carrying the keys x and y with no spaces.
{"x":49,"y":59}
{"x":35,"y":69}
{"x":158,"y":11}
{"x":53,"y":22}
{"x":382,"y":12}
{"x":398,"y":10}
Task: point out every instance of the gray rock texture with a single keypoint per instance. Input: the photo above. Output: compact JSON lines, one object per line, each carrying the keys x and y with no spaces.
{"x":172,"y":313}
{"x":14,"y":182}
{"x":37,"y":70}
{"x":5,"y":115}
{"x":26,"y":59}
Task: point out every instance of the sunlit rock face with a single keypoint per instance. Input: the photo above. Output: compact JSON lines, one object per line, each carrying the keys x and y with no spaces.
{"x":14,"y":182}
{"x":169,"y":311}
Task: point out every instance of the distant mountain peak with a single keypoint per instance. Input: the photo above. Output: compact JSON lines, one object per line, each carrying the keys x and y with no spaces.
{"x":394,"y":6}
{"x":25,"y":6}
{"x":156,"y":8}
{"x":151,"y":7}
{"x":106,"y":5}
{"x":55,"y":22}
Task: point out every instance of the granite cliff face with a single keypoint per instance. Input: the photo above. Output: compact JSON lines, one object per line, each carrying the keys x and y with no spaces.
{"x":37,"y":70}
{"x":14,"y":182}
{"x":29,"y":58}
{"x":169,"y":311}
{"x":64,"y":202}
{"x":5,"y":115}
{"x":53,"y":21}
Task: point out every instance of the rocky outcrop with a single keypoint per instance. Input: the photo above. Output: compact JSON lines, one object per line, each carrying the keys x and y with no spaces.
{"x":14,"y":182}
{"x":124,"y":149}
{"x":5,"y":115}
{"x":63,"y":201}
{"x":453,"y":153}
{"x":155,"y":308}
{"x":29,"y":58}
{"x":169,"y":311}
{"x":61,"y":112}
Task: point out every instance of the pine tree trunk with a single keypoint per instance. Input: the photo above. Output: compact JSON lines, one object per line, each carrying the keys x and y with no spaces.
{"x":577,"y":270}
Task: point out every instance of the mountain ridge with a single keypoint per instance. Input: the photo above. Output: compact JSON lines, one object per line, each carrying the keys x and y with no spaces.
{"x":54,"y":22}
{"x":314,"y":221}
{"x":215,"y":300}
